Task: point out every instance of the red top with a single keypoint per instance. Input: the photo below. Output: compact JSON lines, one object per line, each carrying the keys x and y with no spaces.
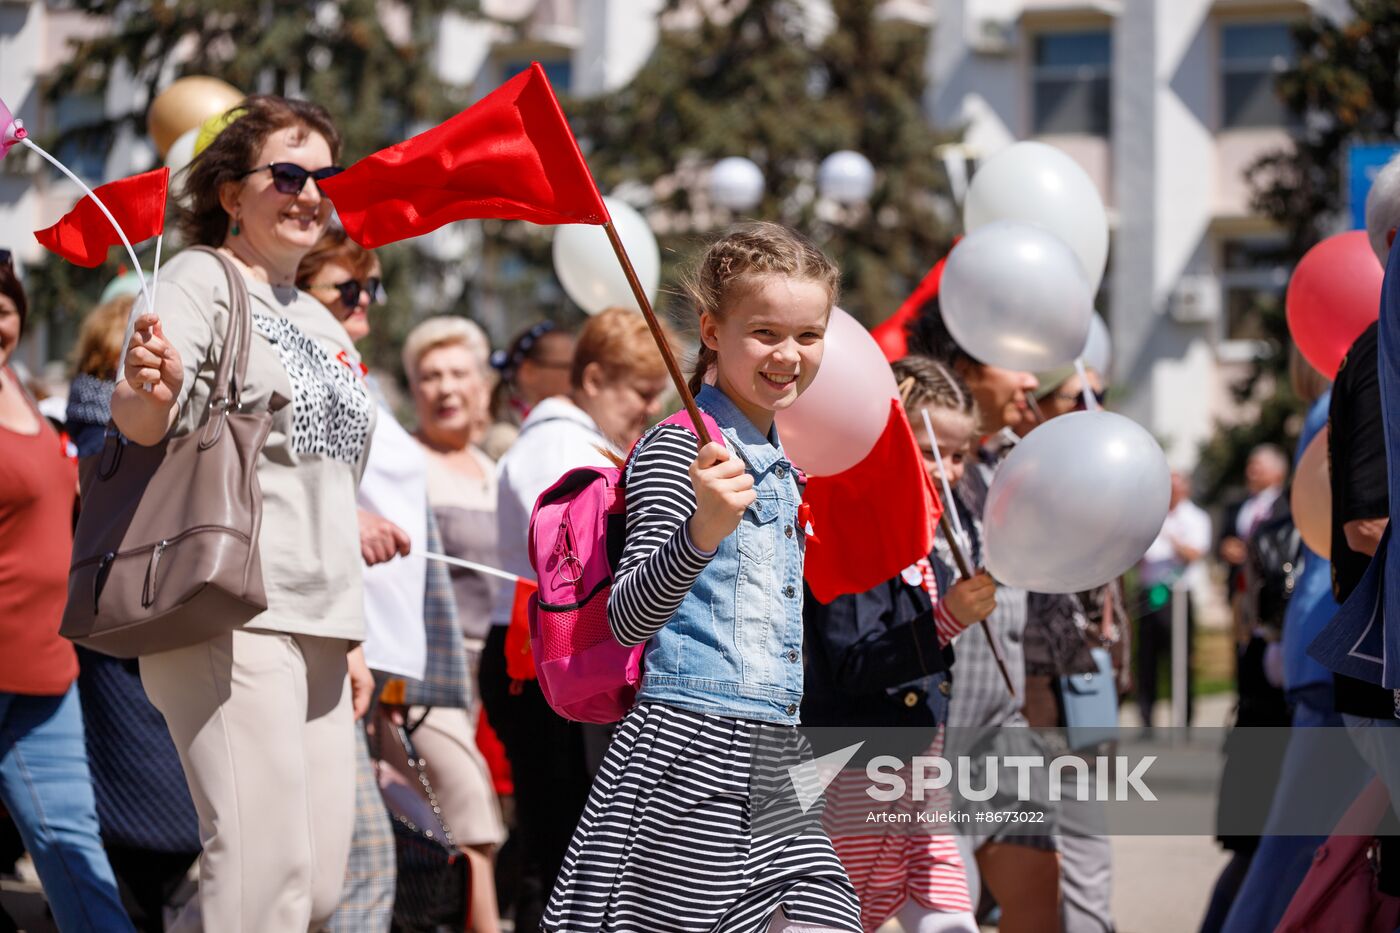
{"x":38,"y":484}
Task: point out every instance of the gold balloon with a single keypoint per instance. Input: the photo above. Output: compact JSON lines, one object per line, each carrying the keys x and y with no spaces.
{"x":1312,"y":496}
{"x":185,"y":105}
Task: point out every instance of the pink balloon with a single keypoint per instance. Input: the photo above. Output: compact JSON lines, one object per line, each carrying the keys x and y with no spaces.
{"x":836,"y":422}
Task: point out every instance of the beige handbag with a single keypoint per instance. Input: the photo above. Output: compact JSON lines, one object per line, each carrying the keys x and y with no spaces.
{"x":165,"y":553}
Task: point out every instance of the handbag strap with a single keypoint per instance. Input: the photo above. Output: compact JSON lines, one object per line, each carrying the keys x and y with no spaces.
{"x":232,"y":371}
{"x":420,"y":767}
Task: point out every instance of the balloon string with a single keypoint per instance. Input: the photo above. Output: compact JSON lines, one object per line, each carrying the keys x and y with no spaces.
{"x":471,"y":565}
{"x":1090,"y":403}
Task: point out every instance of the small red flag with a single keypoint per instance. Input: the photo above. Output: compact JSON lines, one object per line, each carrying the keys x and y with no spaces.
{"x":873,"y":520}
{"x":510,"y":156}
{"x":84,"y":235}
{"x":520,"y":660}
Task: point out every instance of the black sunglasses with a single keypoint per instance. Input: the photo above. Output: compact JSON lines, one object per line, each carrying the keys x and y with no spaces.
{"x":290,"y":178}
{"x":350,"y":290}
{"x":1077,"y":398}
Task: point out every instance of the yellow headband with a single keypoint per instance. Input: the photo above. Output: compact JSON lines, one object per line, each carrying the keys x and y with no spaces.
{"x":215,"y":125}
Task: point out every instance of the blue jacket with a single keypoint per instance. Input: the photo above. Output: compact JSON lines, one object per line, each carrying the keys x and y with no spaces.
{"x":734,"y":647}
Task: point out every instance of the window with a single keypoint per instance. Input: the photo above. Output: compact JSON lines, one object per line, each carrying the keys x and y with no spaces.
{"x":559,"y":72}
{"x":1070,"y":82}
{"x":84,"y":152}
{"x":1251,"y":57}
{"x":1253,"y":278}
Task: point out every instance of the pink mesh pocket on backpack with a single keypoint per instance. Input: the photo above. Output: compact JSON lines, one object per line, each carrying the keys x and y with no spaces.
{"x":585,"y":674}
{"x":569,"y":631}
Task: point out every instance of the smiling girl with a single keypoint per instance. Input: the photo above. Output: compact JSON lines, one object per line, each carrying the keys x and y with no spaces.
{"x":711,"y":580}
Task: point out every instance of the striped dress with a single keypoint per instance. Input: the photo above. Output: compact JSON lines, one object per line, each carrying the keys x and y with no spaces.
{"x":666,"y":841}
{"x":888,"y":868}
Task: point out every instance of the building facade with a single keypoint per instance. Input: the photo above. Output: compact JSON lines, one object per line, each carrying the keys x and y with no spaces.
{"x":1163,"y":102}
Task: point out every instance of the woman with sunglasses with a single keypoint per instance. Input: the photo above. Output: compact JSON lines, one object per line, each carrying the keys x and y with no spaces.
{"x":1062,"y":392}
{"x":395,"y":513}
{"x":262,"y":714}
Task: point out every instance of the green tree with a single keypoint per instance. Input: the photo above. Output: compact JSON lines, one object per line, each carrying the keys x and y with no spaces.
{"x":1346,"y":88}
{"x":744,"y":80}
{"x":369,"y":63}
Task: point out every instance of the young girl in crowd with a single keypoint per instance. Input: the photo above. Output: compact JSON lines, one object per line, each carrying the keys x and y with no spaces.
{"x":711,"y":579}
{"x":1021,"y":871}
{"x":882,"y":658}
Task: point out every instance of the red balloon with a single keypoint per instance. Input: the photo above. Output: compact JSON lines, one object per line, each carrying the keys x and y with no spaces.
{"x":1333,"y":295}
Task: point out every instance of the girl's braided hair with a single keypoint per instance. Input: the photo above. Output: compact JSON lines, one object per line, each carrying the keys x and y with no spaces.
{"x":927,"y":382}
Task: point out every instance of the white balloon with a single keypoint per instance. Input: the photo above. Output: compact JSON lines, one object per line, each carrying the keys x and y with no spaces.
{"x":1037,"y":183}
{"x":450,"y":242}
{"x":180,"y":155}
{"x":736,"y":183}
{"x":847,"y":177}
{"x":590,"y":271}
{"x":1013,"y":296}
{"x":1077,"y":502}
{"x":1098,"y":350}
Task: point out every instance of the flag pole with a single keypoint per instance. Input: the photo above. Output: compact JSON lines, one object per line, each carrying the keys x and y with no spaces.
{"x":965,"y":571}
{"x":130,"y":252}
{"x":662,"y":344}
{"x":954,"y":537}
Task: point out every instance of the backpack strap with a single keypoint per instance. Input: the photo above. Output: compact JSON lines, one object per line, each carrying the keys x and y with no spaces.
{"x":680,"y":419}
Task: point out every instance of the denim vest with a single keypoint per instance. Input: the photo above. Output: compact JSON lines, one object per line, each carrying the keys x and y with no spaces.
{"x":734,"y":647}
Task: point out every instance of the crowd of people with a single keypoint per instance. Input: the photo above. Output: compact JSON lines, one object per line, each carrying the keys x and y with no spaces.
{"x":277,"y":754}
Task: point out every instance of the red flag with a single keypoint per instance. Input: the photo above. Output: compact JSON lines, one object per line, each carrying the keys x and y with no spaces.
{"x":84,"y":234}
{"x":892,"y":335}
{"x":520,"y":660}
{"x":873,"y":520}
{"x":510,"y":156}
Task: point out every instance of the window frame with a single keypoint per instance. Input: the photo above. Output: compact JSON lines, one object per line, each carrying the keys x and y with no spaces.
{"x":1223,"y":69}
{"x":1272,"y":279}
{"x":1081,"y":73}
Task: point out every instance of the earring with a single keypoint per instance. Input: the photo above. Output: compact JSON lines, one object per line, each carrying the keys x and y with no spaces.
{"x":234,"y":230}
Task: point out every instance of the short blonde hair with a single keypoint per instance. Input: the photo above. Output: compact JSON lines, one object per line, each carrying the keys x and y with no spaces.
{"x":445,"y":330}
{"x":619,"y":340}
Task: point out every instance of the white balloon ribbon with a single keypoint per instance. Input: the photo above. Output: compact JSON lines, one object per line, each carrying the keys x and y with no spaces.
{"x":472,"y":565}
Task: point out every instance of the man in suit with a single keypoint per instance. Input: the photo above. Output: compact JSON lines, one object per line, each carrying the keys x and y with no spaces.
{"x":1265,"y":473}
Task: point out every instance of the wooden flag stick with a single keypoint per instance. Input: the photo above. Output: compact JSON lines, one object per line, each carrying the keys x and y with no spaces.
{"x":645,"y":304}
{"x":965,"y":571}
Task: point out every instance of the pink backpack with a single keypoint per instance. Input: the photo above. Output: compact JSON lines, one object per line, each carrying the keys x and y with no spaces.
{"x":577,"y":533}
